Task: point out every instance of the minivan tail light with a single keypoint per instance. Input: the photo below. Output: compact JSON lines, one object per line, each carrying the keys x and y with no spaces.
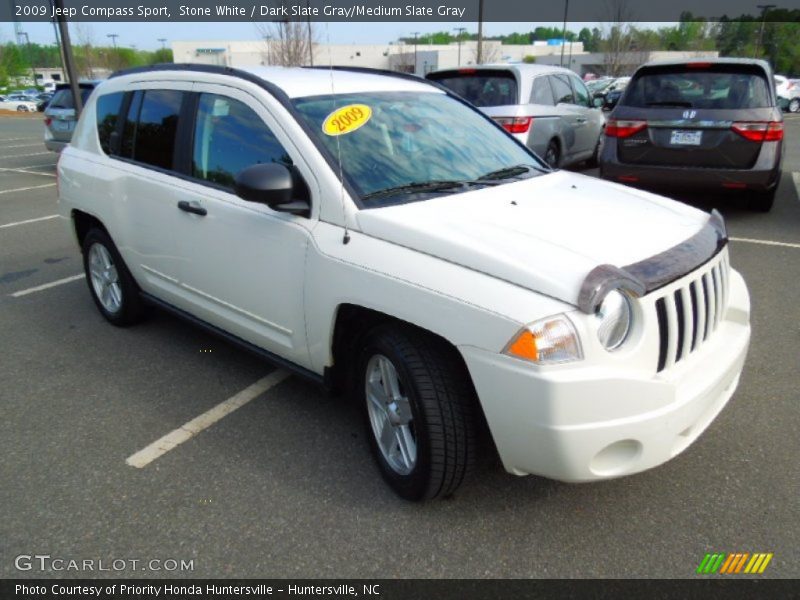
{"x":620,"y":128}
{"x":515,"y":124}
{"x":759,"y":131}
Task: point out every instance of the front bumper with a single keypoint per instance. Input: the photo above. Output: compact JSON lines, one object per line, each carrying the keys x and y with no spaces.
{"x":585,"y":422}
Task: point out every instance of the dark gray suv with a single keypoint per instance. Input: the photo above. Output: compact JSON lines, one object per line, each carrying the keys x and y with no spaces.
{"x":702,"y":125}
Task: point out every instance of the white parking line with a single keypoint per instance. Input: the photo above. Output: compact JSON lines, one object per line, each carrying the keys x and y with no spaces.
{"x":24,"y":155}
{"x":20,"y":139}
{"x":46,"y":286}
{"x":40,"y":144}
{"x":186,"y":432}
{"x":765,"y":242}
{"x":47,"y":218}
{"x":22,"y":170}
{"x":25,"y":189}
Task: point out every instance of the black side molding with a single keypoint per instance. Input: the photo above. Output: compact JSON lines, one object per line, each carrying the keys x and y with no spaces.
{"x":237,"y":341}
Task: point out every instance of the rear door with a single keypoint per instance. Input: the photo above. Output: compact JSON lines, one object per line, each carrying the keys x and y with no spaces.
{"x":697,"y":115}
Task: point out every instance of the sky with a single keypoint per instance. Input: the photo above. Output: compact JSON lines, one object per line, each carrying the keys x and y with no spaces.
{"x":145,"y":36}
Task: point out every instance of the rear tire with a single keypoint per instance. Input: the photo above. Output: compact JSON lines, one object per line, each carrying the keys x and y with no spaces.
{"x":111,"y":284}
{"x":419,"y":409}
{"x":762,"y":201}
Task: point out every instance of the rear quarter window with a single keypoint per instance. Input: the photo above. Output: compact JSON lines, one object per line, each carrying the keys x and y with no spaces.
{"x":107,"y":111}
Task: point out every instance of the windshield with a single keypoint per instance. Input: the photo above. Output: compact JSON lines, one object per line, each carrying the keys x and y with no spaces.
{"x":719,"y":87}
{"x":405,"y":146}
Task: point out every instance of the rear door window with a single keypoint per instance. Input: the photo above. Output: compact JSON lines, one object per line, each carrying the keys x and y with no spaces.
{"x":151,"y":127}
{"x":480,"y":86}
{"x":562,"y":90}
{"x":715,"y":87}
{"x":541,"y":93}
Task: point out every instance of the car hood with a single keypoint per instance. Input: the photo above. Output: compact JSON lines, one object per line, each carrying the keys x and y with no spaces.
{"x":545,"y":233}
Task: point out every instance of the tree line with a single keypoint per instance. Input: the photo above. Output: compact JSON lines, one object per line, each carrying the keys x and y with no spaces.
{"x":743,"y":36}
{"x":16,"y":60}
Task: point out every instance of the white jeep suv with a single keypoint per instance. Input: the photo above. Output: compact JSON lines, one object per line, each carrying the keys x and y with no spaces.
{"x":378,"y":234}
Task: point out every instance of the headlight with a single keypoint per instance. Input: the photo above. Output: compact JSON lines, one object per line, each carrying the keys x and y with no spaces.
{"x":616,"y":316}
{"x":551,"y":340}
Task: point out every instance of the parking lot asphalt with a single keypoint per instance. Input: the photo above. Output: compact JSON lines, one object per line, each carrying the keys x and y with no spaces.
{"x":285,"y":486}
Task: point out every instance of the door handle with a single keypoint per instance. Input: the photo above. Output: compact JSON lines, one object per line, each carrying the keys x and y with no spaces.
{"x":580,"y":120}
{"x":192,"y":207}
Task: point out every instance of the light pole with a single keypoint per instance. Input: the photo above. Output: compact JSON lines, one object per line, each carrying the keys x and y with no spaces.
{"x":564,"y":33}
{"x":764,"y":8}
{"x":114,"y":37}
{"x":163,"y":43}
{"x":415,"y":34}
{"x":30,"y":55}
{"x":460,"y":31}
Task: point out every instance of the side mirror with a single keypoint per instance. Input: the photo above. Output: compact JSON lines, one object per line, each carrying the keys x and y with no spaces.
{"x":271,"y":184}
{"x":598,"y":101}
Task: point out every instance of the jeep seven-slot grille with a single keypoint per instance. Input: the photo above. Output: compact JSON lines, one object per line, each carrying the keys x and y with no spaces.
{"x":688,"y":315}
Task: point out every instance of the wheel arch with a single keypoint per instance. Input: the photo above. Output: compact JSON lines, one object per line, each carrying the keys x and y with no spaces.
{"x":83,"y":222}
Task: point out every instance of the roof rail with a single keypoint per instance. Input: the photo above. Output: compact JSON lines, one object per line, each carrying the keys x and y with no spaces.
{"x":384,"y":72}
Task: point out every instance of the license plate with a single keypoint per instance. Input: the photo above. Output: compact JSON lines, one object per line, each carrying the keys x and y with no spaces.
{"x":686,"y":138}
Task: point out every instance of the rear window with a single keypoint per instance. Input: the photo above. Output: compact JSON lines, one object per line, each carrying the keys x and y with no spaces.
{"x":63,"y":98}
{"x":482,"y":88}
{"x":714,"y":87}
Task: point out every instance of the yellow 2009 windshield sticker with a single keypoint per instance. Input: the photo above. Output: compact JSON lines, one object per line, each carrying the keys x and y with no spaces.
{"x":346,"y":119}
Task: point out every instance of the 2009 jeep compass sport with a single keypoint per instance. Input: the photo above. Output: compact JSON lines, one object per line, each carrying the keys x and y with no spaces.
{"x":379,"y":234}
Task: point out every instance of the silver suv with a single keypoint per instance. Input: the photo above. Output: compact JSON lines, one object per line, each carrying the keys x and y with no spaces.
{"x":546,"y":108}
{"x":59,"y":116}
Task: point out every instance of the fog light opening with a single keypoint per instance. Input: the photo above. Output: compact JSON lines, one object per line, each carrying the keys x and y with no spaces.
{"x":616,"y":458}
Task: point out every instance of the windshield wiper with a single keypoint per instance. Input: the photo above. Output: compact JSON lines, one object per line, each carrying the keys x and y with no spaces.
{"x":422,"y":187}
{"x":671,"y":103}
{"x":508,"y":172}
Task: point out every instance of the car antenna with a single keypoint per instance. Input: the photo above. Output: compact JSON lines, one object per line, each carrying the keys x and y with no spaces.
{"x":346,"y":238}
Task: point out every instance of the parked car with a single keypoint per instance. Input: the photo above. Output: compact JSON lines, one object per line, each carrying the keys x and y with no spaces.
{"x":788,"y":91}
{"x":42,"y":100}
{"x":546,"y":108}
{"x":607,"y":85}
{"x":378,"y":234}
{"x":9,"y":103}
{"x":700,"y":126}
{"x":59,"y":115}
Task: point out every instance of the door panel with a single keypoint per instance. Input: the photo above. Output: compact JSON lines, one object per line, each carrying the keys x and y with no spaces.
{"x":242,"y":263}
{"x":148,"y":198}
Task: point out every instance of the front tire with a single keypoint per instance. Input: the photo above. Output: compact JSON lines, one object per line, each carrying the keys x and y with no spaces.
{"x":112,"y":286}
{"x":552,"y":155}
{"x":794,"y":105}
{"x":419,"y":410}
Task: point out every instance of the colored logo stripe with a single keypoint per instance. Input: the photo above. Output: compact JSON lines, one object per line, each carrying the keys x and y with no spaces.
{"x":734,"y":563}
